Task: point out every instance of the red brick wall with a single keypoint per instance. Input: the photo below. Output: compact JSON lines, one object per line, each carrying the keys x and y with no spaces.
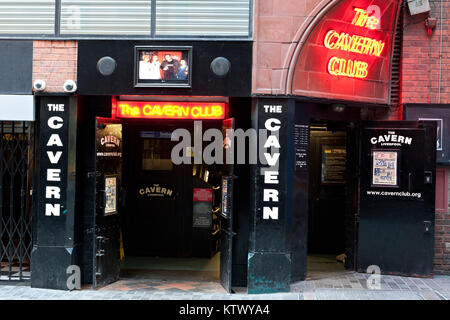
{"x":442,"y":224}
{"x":416,"y":65}
{"x":55,"y":62}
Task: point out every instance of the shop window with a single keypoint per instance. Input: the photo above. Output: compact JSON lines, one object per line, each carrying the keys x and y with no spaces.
{"x":156,"y":155}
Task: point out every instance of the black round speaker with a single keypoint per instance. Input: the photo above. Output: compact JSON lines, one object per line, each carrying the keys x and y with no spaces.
{"x":106,"y":66}
{"x":220,"y":66}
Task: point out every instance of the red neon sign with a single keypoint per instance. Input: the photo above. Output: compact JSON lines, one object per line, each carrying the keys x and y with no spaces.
{"x":170,"y":110}
{"x":353,"y":43}
{"x":362,"y":19}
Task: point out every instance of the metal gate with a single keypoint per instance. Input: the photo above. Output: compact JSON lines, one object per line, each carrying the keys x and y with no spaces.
{"x":17,"y":145}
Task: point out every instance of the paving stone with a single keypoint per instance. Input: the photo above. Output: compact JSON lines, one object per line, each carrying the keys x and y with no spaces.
{"x":347,"y":286}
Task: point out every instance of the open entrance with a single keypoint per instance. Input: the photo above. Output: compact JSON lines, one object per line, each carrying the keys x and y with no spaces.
{"x":158,"y":220}
{"x":330,"y":195}
{"x":170,"y":215}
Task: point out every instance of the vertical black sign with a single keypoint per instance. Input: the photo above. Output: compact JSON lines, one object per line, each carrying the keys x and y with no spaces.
{"x":269,"y":257}
{"x":53,"y":155}
{"x":54,"y":247}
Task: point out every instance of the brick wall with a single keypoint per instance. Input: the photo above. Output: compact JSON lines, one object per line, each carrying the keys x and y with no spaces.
{"x":277,"y":24}
{"x":442,"y":238}
{"x":55,"y":62}
{"x":416,"y":65}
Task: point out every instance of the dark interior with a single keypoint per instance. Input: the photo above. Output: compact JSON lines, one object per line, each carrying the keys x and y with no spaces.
{"x":327,"y":201}
{"x":158,"y":208}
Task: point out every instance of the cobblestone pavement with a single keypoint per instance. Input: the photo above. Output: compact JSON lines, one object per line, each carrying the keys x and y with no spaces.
{"x":345,"y":286}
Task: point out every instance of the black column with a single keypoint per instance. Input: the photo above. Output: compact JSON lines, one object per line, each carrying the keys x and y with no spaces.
{"x":269,"y":259}
{"x":54,"y":248}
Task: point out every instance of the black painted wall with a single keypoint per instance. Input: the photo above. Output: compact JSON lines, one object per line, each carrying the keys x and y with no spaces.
{"x":16,"y":67}
{"x":55,"y":241}
{"x":240,"y":110}
{"x":269,"y":262}
{"x":237,"y":83}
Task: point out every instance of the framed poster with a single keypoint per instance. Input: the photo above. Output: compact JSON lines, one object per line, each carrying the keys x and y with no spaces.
{"x":385,"y":168}
{"x":162,"y":66}
{"x":110,"y":195}
{"x":438,"y":133}
{"x":333,"y":164}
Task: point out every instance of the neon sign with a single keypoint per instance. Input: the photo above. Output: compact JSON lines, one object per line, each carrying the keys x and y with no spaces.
{"x":362,"y":19}
{"x":348,"y":68}
{"x":170,"y":110}
{"x":353,"y":43}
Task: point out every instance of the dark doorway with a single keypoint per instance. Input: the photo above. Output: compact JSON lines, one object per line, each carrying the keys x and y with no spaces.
{"x":160,"y":217}
{"x":327,"y":198}
{"x":170,"y":213}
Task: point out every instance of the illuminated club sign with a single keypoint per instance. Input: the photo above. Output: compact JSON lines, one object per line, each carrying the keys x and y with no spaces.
{"x":361,"y":45}
{"x":170,"y":110}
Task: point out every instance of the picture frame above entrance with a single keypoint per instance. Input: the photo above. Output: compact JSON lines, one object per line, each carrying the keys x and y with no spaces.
{"x":163,"y":66}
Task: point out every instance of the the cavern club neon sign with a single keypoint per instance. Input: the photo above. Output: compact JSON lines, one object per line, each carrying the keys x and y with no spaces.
{"x":342,"y":41}
{"x":170,"y":110}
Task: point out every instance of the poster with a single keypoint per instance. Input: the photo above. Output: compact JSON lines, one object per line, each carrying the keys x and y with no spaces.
{"x":110,"y":195}
{"x":384,"y":168}
{"x":334,"y":164}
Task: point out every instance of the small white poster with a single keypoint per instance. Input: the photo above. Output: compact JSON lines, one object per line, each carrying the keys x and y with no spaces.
{"x":110,"y":195}
{"x":384,"y":168}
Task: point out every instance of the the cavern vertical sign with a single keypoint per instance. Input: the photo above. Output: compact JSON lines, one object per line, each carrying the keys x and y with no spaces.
{"x":53,"y":163}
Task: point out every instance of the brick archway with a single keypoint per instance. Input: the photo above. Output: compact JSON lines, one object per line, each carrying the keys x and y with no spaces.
{"x":277,"y":44}
{"x":283,"y":32}
{"x":302,"y":35}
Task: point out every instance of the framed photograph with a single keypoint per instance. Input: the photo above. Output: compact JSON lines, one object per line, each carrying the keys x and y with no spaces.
{"x":163,"y":66}
{"x":438,"y":133}
{"x":385,"y":168}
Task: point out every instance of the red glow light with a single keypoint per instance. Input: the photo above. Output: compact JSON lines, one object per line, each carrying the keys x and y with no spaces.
{"x":353,"y":43}
{"x":347,"y":68}
{"x":362,"y":19}
{"x":170,"y":110}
